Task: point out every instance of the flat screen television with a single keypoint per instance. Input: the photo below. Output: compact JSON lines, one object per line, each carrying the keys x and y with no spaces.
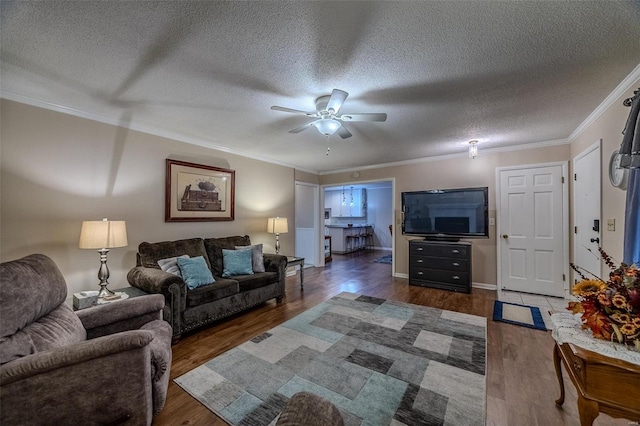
{"x":446,"y":214}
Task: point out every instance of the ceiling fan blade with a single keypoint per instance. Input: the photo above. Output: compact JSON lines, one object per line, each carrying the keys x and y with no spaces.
{"x":294,"y":111}
{"x":336,"y":100}
{"x":365,"y":116}
{"x":301,"y":128}
{"x":343,"y":132}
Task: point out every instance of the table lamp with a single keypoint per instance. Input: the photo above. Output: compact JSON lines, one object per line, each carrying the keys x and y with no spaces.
{"x":103,"y":235}
{"x":277,"y":225}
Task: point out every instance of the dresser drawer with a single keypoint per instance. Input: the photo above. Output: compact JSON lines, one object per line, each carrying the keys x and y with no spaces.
{"x":450,"y":277}
{"x":439,"y":250}
{"x":439,"y":263}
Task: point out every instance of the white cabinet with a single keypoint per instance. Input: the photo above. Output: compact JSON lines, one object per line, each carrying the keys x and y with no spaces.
{"x":340,"y":202}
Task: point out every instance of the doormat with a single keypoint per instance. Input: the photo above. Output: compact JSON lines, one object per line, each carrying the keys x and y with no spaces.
{"x":512,"y":313}
{"x":385,"y":259}
{"x":380,"y":362}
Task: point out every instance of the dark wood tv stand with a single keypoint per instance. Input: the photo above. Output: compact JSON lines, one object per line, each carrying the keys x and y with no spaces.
{"x":440,"y":264}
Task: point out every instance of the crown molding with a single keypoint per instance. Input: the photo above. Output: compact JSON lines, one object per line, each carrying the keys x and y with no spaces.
{"x":613,"y":97}
{"x":136,"y":127}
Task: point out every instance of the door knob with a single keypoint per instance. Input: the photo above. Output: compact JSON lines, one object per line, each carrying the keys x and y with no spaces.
{"x":505,"y":236}
{"x":595,"y":240}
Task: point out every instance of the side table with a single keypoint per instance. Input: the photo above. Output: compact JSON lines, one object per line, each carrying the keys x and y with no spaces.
{"x":293,"y":261}
{"x":606,"y":375}
{"x":129,"y":291}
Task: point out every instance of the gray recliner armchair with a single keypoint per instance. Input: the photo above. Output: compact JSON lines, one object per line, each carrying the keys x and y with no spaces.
{"x":108,"y":364}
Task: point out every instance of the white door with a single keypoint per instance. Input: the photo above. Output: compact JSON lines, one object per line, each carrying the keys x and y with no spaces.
{"x":307,"y":223}
{"x":587,"y":219}
{"x":532,"y":224}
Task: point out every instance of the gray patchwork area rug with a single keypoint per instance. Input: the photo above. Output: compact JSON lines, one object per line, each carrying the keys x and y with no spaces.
{"x":380,"y":362}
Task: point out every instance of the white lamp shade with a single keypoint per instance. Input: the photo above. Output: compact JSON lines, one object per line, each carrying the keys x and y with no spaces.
{"x":99,"y":234}
{"x":277,"y":225}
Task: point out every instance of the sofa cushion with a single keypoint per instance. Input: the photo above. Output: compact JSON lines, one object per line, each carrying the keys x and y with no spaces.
{"x":251,"y":282}
{"x":195,"y":272}
{"x":170,"y":265}
{"x":150,"y":253}
{"x":257,"y":260}
{"x":236,"y":262}
{"x":214,"y":246}
{"x":223,"y":287}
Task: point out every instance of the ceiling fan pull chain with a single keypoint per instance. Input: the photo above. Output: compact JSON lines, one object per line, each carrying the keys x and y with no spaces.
{"x":328,"y":147}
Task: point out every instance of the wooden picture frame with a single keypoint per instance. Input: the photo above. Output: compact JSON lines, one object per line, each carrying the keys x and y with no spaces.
{"x":198,"y":193}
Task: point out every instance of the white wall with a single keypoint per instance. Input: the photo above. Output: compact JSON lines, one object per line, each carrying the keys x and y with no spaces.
{"x":58,"y":170}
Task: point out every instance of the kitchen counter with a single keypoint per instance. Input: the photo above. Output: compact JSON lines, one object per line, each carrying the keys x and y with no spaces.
{"x":346,"y":239}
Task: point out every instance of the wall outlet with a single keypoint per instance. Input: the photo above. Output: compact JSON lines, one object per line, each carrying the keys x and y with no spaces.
{"x":611,"y":224}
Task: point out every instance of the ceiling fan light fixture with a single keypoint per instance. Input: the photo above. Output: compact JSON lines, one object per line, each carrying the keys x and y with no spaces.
{"x":327,"y":126}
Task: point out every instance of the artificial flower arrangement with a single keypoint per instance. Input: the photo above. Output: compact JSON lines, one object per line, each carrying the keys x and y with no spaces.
{"x":611,"y":309}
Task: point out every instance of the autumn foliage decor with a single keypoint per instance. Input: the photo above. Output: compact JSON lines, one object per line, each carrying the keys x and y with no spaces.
{"x":610,"y":309}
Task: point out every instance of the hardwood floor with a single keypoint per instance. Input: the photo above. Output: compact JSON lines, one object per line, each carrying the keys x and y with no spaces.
{"x":521,"y":380}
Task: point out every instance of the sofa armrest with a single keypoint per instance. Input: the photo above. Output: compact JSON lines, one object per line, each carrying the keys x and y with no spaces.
{"x":171,"y":286}
{"x":274,"y":262}
{"x":129,"y":314}
{"x":153,"y":280}
{"x":277,"y":263}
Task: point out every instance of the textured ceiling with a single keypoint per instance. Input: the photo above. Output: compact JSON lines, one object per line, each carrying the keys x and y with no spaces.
{"x":506,"y":73}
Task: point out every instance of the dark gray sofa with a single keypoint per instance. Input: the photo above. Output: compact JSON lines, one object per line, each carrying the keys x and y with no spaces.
{"x":187,"y":309}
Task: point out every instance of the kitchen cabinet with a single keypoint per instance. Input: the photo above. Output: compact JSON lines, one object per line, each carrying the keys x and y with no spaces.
{"x":334,"y":199}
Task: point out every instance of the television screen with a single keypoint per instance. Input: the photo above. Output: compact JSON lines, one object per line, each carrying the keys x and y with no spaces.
{"x":446,"y":213}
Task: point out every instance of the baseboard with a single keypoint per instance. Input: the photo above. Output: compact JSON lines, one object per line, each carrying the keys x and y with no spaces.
{"x":485,"y":286}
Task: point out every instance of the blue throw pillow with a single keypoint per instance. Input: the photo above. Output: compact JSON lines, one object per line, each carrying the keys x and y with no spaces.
{"x":236,"y":262}
{"x":257,"y":260}
{"x":194,"y":271}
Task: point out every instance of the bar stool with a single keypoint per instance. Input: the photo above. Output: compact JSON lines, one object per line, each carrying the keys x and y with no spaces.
{"x":368,"y":238}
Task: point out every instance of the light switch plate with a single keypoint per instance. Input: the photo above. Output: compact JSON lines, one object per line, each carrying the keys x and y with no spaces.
{"x":492,"y":221}
{"x":611,"y":224}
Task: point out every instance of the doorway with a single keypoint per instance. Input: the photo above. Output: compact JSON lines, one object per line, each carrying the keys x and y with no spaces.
{"x":376,"y":212}
{"x":533,"y":228}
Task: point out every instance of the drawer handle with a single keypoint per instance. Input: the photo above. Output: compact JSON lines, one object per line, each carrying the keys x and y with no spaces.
{"x":420,"y":273}
{"x":576,"y":366}
{"x":419,"y":248}
{"x":455,"y":264}
{"x":455,"y":277}
{"x":419,"y":261}
{"x":455,"y":251}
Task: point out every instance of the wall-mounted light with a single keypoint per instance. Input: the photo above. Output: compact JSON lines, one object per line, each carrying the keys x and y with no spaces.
{"x":473,"y":148}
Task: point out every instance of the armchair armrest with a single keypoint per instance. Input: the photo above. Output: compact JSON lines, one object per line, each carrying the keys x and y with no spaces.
{"x":43,"y":362}
{"x":81,"y":383}
{"x":124,"y":315}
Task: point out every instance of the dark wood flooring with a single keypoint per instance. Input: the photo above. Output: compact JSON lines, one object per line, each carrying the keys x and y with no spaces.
{"x":521,"y":381}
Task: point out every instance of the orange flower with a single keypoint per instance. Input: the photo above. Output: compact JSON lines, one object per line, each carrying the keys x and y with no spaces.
{"x":628,"y":329}
{"x":621,"y":318}
{"x":587,"y":288}
{"x":619,"y":301}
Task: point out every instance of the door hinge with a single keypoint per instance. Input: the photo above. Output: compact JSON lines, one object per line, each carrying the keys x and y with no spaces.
{"x":562,"y":179}
{"x":575,"y":229}
{"x":564,"y":278}
{"x":575,"y":176}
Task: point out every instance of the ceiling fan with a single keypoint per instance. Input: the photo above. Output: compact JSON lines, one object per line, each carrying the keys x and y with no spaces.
{"x":328,"y":121}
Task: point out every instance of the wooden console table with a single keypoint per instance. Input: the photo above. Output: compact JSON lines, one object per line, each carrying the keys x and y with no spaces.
{"x":604,"y":384}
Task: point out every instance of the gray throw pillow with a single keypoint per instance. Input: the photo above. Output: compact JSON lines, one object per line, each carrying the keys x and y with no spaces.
{"x":257,"y":260}
{"x":170,"y":264}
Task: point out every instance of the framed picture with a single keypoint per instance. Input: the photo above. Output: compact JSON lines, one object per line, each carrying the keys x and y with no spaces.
{"x":198,"y":193}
